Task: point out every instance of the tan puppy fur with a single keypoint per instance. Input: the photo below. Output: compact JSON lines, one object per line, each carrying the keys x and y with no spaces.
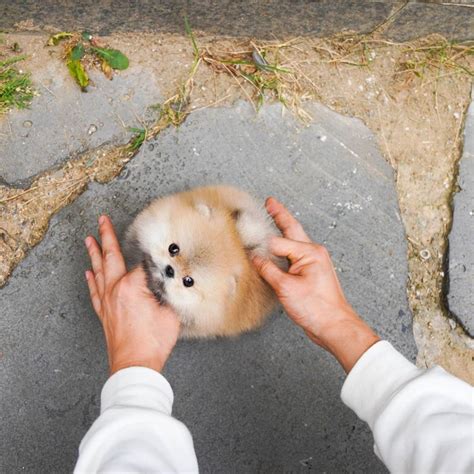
{"x":217,"y":230}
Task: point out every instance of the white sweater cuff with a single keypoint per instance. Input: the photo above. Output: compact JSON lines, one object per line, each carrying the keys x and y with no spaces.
{"x":138,"y":387}
{"x":374,"y":379}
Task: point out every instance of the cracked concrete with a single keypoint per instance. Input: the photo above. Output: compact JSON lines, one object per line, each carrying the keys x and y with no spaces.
{"x":52,"y":359}
{"x":267,"y":401}
{"x":63,"y":121}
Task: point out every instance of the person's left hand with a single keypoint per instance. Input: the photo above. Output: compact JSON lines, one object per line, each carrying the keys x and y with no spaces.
{"x":138,"y":330}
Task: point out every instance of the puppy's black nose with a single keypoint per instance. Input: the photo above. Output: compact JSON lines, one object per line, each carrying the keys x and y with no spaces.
{"x":169,"y":271}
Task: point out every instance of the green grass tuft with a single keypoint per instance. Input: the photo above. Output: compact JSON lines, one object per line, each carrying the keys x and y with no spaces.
{"x":138,"y":139}
{"x":16,"y":89}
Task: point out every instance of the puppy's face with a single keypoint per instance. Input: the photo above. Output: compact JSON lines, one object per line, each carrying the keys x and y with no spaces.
{"x":191,"y":257}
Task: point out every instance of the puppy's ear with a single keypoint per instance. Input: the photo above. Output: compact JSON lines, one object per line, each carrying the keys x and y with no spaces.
{"x":203,"y":209}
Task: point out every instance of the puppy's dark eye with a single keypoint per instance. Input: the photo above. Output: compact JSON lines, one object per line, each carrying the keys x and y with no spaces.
{"x":173,"y":249}
{"x":188,"y":281}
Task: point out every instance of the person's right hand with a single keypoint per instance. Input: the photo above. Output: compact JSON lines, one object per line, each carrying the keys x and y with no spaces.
{"x":310,"y":291}
{"x":139,"y":332}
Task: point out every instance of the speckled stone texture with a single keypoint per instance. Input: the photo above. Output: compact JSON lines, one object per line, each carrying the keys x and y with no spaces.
{"x":64,"y":121}
{"x":455,"y":21}
{"x":251,"y":17}
{"x":264,"y":402}
{"x":262,"y":19}
{"x":461,"y":238}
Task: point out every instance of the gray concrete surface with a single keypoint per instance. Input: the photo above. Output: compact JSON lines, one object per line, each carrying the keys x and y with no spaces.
{"x":461,"y":237}
{"x":455,"y":20}
{"x":244,"y":18}
{"x":264,"y":402}
{"x":63,"y":120}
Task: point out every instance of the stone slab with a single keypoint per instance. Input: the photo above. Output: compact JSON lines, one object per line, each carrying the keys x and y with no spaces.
{"x":63,"y":120}
{"x":461,"y":237}
{"x":247,"y":18}
{"x":417,"y":19}
{"x":263,"y":402}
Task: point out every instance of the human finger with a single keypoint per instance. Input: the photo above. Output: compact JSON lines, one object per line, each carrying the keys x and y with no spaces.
{"x":95,"y":298}
{"x":283,"y":219}
{"x":273,"y":275}
{"x":290,"y":249}
{"x":114,"y":263}
{"x":95,"y":254}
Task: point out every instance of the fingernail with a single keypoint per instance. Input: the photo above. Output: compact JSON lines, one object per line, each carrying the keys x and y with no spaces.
{"x":101,"y":220}
{"x":87,"y":274}
{"x":269,"y":203}
{"x":87,"y":242}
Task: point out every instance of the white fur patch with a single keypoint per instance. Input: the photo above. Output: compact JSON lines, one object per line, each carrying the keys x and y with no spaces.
{"x":203,"y":209}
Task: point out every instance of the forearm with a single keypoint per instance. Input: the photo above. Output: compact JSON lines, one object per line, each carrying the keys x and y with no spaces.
{"x":421,"y":419}
{"x":135,"y":431}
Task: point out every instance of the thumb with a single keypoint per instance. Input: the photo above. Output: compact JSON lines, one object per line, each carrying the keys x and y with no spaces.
{"x":269,"y":272}
{"x":138,"y":277}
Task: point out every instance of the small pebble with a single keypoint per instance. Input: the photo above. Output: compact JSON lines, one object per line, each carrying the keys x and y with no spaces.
{"x":425,"y":254}
{"x":151,"y":147}
{"x":27,"y":123}
{"x":92,"y":129}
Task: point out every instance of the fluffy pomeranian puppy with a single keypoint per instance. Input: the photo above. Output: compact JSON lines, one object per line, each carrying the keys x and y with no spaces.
{"x":196,"y":248}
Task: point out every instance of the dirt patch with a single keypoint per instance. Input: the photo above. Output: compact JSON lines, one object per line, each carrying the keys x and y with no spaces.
{"x":26,"y":213}
{"x":413,"y":96}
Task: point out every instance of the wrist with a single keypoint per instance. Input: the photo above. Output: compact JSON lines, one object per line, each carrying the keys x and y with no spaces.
{"x":157,"y":364}
{"x":346,"y":336}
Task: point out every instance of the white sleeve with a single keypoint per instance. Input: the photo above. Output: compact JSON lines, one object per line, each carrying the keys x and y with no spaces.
{"x":135,"y":431}
{"x":422,"y":420}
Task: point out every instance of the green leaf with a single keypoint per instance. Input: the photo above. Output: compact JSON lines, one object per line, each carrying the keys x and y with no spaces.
{"x":86,"y":35}
{"x":114,"y":58}
{"x":77,"y":52}
{"x":55,"y":39}
{"x":77,"y":71}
